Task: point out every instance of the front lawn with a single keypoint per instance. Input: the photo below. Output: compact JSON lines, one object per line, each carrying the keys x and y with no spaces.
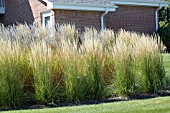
{"x":166,"y":59}
{"x":154,"y":105}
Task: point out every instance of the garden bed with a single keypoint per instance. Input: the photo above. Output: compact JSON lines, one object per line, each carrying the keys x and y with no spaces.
{"x":57,"y":66}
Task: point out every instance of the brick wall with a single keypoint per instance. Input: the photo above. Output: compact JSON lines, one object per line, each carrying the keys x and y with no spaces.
{"x":20,"y":11}
{"x":140,"y":19}
{"x":133,"y":18}
{"x":79,"y":18}
{"x":37,"y":6}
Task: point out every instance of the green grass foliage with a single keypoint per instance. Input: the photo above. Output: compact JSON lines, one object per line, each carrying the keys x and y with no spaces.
{"x":54,"y":65}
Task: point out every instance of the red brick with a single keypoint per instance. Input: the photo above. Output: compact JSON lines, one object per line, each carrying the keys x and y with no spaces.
{"x":136,"y":18}
{"x":133,"y":18}
{"x":80,"y":18}
{"x":20,"y":11}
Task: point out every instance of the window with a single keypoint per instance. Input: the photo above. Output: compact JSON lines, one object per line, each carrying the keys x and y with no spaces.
{"x":46,"y":19}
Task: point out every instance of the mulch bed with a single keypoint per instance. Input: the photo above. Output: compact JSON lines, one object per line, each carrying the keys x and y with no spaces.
{"x":114,"y":99}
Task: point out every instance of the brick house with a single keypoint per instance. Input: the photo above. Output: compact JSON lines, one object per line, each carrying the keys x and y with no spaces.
{"x":136,"y":15}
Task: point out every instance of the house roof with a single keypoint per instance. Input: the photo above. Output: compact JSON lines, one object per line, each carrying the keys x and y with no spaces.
{"x":83,"y":2}
{"x":105,"y":2}
{"x":141,"y":2}
{"x":91,"y":5}
{"x":100,"y":5}
{"x":147,"y":1}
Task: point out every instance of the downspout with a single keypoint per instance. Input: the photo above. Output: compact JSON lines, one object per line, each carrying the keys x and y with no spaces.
{"x":156,"y":16}
{"x":102,"y":18}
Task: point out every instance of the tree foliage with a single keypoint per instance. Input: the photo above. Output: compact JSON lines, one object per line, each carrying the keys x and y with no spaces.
{"x":164,"y":26}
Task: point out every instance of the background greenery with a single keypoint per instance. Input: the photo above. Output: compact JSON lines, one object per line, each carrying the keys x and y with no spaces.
{"x":164,"y":26}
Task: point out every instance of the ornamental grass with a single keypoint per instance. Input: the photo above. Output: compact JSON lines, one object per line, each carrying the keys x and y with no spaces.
{"x":61,"y":65}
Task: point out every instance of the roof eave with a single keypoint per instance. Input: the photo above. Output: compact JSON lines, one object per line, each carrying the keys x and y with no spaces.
{"x":164,"y":4}
{"x":84,"y":7}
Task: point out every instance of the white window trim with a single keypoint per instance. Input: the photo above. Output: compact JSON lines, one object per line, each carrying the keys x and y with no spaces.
{"x":44,"y":15}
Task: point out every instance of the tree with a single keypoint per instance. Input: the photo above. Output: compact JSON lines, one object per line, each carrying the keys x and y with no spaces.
{"x":164,"y":26}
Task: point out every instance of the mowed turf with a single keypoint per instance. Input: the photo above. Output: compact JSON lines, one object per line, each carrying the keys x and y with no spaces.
{"x":154,"y":105}
{"x":166,"y":59}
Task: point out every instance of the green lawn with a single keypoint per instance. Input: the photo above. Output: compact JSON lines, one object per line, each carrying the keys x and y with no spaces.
{"x":166,"y":60}
{"x":154,"y":105}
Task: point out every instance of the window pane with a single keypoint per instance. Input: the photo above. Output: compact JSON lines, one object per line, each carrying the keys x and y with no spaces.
{"x":47,"y":21}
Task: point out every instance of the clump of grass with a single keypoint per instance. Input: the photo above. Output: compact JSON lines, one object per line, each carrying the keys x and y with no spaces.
{"x":134,"y":57}
{"x":12,"y":82}
{"x":124,"y":58}
{"x":53,"y":65}
{"x":75,"y":79}
{"x":41,"y":61}
{"x":149,"y":63}
{"x":152,"y":73}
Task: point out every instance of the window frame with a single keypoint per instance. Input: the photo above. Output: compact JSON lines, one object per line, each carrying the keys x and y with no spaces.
{"x":45,"y":15}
